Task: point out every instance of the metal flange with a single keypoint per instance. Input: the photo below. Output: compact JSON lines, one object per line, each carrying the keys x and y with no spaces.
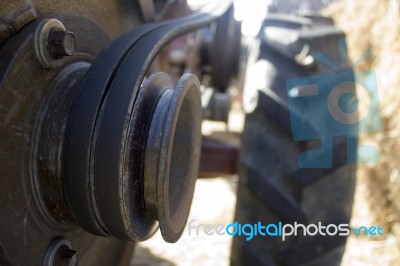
{"x":35,"y":104}
{"x":158,"y":165}
{"x":172,"y":153}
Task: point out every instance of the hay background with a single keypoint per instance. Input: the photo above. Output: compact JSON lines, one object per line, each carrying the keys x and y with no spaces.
{"x":375,"y":25}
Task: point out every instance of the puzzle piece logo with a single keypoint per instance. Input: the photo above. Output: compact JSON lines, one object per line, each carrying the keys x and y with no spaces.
{"x":343,"y":103}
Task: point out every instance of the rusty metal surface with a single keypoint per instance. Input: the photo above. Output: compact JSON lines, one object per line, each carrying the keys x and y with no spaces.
{"x":26,"y":228}
{"x":115,"y":17}
{"x":14,"y":14}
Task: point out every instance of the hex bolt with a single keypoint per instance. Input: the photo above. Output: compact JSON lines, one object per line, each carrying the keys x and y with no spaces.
{"x":61,"y":43}
{"x":68,"y":257}
{"x":60,"y":253}
{"x":52,"y":43}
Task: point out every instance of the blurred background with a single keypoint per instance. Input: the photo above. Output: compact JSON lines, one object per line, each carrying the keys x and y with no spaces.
{"x":370,"y":25}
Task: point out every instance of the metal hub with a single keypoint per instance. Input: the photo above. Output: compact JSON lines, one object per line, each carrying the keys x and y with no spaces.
{"x":117,"y":173}
{"x":90,"y":143}
{"x":33,"y":103}
{"x":60,"y":253}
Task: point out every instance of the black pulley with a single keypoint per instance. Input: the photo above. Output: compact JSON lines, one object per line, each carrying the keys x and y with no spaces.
{"x":89,"y":143}
{"x":225,"y":50}
{"x":132,"y":150}
{"x":147,"y":177}
{"x":172,"y":151}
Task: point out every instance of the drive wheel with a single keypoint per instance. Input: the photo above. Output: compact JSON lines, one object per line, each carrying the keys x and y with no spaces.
{"x":37,"y":227}
{"x":273,"y":187}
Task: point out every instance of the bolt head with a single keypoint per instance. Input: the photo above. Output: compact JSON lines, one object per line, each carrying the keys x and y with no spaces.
{"x":61,"y":43}
{"x":68,"y":257}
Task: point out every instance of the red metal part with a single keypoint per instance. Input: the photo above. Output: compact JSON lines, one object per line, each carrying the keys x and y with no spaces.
{"x":218,"y":158}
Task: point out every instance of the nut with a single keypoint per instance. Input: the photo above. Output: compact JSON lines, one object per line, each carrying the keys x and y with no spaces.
{"x":61,"y":43}
{"x":52,"y":43}
{"x":68,"y":257}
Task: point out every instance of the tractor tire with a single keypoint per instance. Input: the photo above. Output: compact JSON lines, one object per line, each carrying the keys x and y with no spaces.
{"x":273,"y":187}
{"x":267,"y":194}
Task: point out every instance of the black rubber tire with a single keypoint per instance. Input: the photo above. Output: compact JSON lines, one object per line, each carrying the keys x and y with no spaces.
{"x":265,"y":193}
{"x":273,"y":188}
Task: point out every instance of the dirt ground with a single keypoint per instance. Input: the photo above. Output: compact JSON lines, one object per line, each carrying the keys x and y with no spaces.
{"x":214,"y":202}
